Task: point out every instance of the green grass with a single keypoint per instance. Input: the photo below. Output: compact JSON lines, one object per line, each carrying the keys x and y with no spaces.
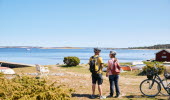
{"x":77,"y":69}
{"x":131,"y":73}
{"x":145,"y":62}
{"x":127,"y":63}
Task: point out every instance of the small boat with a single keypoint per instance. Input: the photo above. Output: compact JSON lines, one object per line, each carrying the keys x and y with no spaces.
{"x":6,"y":70}
{"x":28,"y":49}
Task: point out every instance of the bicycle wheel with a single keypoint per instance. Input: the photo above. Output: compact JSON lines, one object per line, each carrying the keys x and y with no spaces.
{"x":163,"y":91}
{"x":149,"y":89}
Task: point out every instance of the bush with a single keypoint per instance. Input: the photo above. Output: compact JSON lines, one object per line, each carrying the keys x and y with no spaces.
{"x":29,"y":88}
{"x":150,"y":66}
{"x":71,"y":61}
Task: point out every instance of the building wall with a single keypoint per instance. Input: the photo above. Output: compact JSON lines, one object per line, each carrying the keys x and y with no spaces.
{"x":160,"y":56}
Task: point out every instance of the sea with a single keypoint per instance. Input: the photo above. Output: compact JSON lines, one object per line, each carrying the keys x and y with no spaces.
{"x":56,"y":56}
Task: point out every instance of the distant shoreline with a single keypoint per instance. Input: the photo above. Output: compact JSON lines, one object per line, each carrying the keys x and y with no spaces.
{"x":148,"y":49}
{"x":29,"y":47}
{"x":60,"y":48}
{"x":130,"y":49}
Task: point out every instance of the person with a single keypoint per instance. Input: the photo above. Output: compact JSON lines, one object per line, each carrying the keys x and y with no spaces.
{"x":113,"y":71}
{"x":96,"y":73}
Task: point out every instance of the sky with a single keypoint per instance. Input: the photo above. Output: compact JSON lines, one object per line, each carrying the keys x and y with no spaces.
{"x":84,"y":23}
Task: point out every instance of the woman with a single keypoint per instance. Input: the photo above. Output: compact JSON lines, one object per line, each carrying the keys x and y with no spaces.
{"x":113,"y":71}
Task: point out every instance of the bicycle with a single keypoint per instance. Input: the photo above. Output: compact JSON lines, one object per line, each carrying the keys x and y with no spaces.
{"x":154,"y":84}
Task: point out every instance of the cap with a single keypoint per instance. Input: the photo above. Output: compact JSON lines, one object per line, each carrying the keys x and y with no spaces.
{"x":97,"y":49}
{"x":113,"y":52}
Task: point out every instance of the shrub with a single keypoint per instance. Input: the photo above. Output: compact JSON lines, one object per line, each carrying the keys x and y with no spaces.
{"x":150,"y":66}
{"x":29,"y":88}
{"x":71,"y":61}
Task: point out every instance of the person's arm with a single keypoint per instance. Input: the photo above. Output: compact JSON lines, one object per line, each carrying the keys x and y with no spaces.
{"x":101,"y":62}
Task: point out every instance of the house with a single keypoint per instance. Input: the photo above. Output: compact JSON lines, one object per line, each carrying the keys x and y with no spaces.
{"x":163,"y":55}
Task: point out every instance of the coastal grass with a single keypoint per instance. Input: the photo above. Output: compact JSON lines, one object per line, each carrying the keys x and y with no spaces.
{"x":77,"y":69}
{"x":126,"y":63}
{"x":131,"y":73}
{"x":24,"y":70}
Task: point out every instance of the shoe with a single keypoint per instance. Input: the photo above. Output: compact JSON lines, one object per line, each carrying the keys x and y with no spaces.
{"x":109,"y":96}
{"x":117,"y":96}
{"x":92,"y":97}
{"x":102,"y":97}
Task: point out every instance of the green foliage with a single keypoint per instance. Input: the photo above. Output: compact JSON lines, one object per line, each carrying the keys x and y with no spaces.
{"x":151,"y":65}
{"x":71,"y":61}
{"x":28,"y":88}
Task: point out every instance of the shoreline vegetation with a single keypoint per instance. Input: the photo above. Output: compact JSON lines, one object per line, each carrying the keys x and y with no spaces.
{"x":154,"y":47}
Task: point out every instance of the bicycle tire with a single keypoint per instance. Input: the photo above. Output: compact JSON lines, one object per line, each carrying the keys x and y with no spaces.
{"x":163,"y":91}
{"x":148,"y":83}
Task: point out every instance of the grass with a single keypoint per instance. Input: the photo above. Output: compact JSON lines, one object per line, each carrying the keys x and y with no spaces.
{"x":126,"y":63}
{"x":131,"y":73}
{"x":77,"y":69}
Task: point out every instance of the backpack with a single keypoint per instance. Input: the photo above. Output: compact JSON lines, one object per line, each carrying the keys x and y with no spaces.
{"x":115,"y":68}
{"x":92,"y":64}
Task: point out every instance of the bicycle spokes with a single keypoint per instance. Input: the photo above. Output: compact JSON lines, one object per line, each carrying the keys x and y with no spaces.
{"x":150,"y":87}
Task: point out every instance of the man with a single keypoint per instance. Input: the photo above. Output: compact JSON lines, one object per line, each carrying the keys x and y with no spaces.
{"x":97,"y":73}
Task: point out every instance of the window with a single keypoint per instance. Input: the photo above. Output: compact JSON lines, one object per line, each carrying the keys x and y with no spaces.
{"x":164,"y":52}
{"x":164,"y":56}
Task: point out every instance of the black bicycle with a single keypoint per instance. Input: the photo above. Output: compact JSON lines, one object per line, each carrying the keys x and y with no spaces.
{"x":154,"y":84}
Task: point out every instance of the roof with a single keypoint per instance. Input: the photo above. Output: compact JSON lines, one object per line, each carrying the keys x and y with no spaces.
{"x":162,"y":50}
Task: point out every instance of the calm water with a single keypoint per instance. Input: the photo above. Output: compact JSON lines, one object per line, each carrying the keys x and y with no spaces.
{"x":54,"y":56}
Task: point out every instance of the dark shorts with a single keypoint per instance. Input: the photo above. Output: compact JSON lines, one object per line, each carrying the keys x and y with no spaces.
{"x":97,"y":78}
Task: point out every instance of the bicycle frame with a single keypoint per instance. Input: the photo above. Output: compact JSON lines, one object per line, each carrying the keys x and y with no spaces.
{"x":156,"y":76}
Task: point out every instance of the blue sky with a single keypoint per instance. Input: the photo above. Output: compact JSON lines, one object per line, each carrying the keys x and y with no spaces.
{"x":84,"y":23}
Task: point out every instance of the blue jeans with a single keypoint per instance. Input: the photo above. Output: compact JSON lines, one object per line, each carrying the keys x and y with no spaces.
{"x":113,"y":79}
